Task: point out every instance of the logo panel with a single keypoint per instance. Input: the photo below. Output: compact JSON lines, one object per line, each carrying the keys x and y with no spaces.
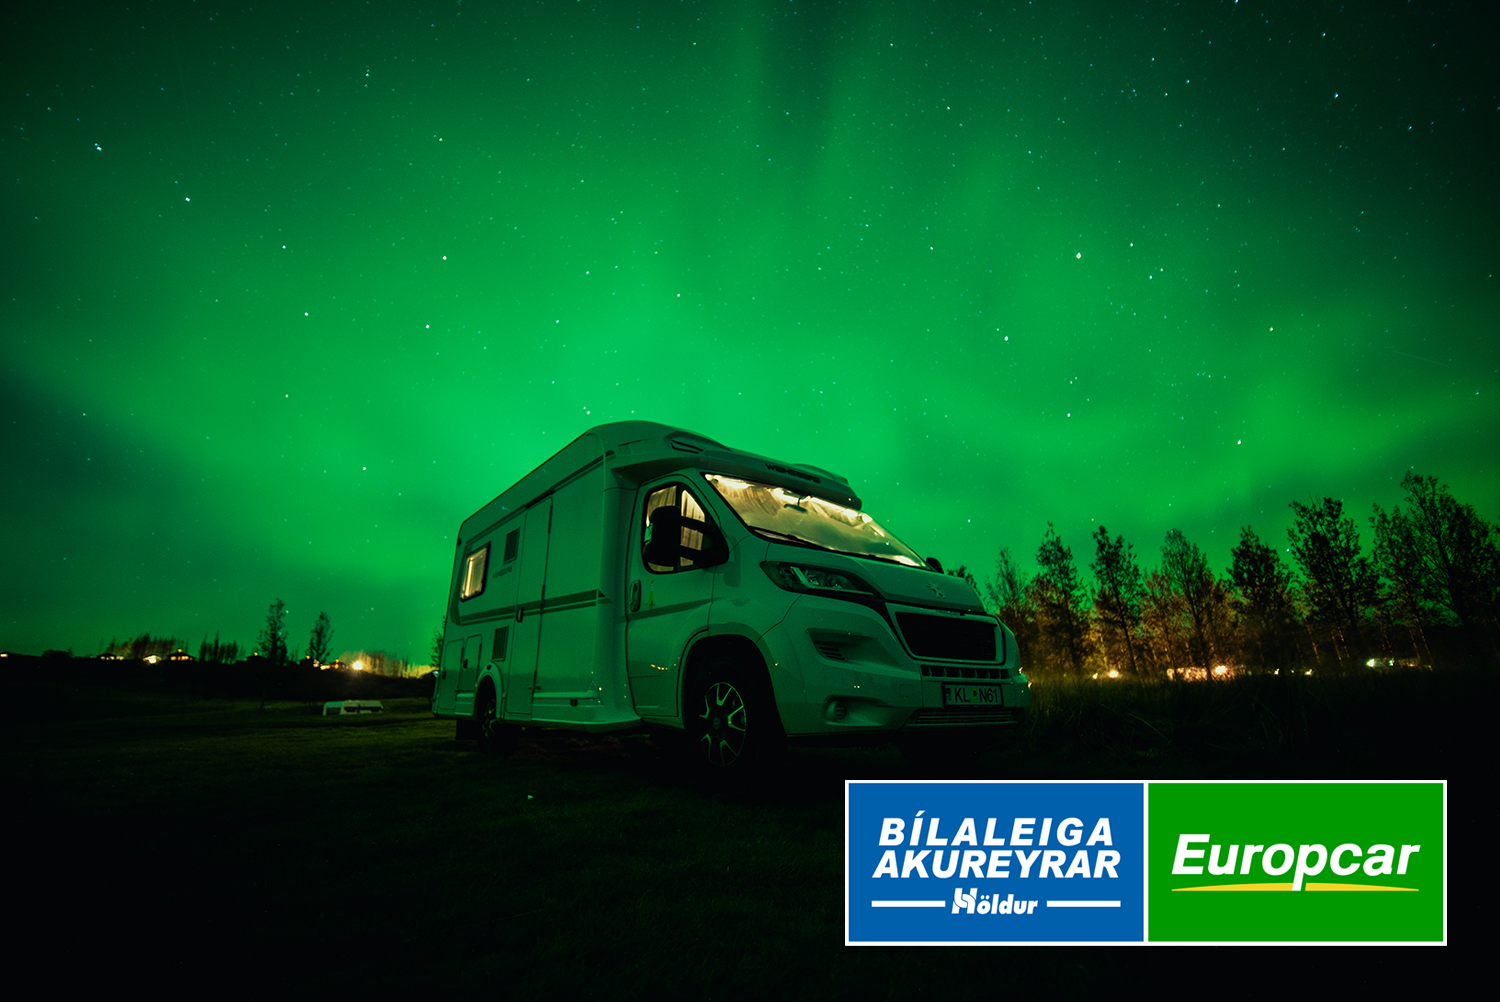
{"x":994,"y":862}
{"x":1296,"y":862}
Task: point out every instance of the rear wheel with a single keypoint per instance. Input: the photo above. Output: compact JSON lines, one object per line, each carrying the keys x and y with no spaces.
{"x":495,"y":735}
{"x":733,"y":726}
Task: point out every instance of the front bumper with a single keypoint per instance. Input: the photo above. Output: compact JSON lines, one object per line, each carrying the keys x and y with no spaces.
{"x":839,"y":669}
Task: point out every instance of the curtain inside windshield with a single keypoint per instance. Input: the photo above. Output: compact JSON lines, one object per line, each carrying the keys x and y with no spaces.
{"x":784,"y":512}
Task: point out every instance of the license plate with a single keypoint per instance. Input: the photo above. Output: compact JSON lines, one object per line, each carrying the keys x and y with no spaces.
{"x":971,"y":695}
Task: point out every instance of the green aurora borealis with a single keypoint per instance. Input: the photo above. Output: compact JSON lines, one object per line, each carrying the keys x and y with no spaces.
{"x":288,"y":295}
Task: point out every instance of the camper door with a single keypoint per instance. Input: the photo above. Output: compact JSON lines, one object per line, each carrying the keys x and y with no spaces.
{"x":668,"y":604}
{"x":526,"y":632}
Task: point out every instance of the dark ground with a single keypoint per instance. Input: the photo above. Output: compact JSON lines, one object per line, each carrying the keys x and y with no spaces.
{"x":165,"y":836}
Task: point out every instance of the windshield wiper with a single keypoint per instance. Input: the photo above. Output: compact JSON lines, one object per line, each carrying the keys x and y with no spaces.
{"x":883,"y":558}
{"x":795,"y":539}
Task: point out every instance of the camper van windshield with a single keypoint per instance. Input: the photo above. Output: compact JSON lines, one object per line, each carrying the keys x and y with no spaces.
{"x":782,"y":513}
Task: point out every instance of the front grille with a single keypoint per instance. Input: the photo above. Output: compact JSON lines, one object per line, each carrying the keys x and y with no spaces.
{"x":948,"y":716}
{"x":963,"y":671}
{"x":948,"y":638}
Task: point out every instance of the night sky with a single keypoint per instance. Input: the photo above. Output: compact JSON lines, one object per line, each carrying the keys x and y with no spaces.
{"x":288,"y":295}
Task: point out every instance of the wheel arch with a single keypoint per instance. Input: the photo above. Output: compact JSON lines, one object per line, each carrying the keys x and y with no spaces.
{"x":487,"y":681}
{"x":726,"y":645}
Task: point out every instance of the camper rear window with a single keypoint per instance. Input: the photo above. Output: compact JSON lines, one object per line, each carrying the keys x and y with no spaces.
{"x":474,"y":572}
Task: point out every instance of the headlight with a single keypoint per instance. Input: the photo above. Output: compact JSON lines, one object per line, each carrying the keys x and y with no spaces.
{"x":802,"y":578}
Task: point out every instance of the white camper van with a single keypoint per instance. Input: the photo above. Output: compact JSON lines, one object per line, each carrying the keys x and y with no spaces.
{"x":646,"y":575}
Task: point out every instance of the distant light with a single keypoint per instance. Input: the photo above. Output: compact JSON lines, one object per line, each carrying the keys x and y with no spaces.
{"x":358,"y":665}
{"x":1079,"y":254}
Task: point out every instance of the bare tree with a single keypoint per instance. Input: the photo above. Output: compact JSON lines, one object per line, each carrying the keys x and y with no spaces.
{"x":1118,"y":600}
{"x":963,"y":572}
{"x":273,"y":639}
{"x":216,"y":652}
{"x":317,"y":643}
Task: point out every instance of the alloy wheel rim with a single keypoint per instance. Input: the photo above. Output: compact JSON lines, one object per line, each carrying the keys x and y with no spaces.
{"x":723,"y":724}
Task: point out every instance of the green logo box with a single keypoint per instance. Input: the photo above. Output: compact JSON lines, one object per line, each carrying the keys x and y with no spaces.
{"x":1312,"y":862}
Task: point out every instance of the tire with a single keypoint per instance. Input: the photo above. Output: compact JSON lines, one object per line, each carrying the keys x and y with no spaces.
{"x":733,"y":727}
{"x":495,"y":735}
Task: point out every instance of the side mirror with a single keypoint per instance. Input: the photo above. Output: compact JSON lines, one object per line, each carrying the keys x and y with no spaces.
{"x":664,"y":540}
{"x":664,"y":536}
{"x":715,"y":548}
{"x":935,"y":564}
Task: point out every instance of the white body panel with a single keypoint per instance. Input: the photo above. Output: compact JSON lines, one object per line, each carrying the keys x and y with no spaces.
{"x":573,"y":629}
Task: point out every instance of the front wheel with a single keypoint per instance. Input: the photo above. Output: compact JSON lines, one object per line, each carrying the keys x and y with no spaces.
{"x":733,"y":725}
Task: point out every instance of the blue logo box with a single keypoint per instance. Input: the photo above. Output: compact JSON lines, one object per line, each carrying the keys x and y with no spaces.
{"x":994,"y":862}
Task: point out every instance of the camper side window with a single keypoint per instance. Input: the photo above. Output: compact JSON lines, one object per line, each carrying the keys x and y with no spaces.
{"x":692,"y":539}
{"x":474,"y":572}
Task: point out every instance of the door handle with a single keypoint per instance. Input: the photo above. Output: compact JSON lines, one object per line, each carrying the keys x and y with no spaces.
{"x":635,"y":597}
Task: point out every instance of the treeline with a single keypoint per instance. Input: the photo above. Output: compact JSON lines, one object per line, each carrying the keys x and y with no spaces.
{"x":274,"y":646}
{"x":1426,"y":592}
{"x":146,"y":646}
{"x":382,"y":663}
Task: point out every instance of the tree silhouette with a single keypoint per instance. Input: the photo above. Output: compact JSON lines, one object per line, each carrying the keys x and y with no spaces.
{"x":1163,"y":613}
{"x":1061,"y":601}
{"x":1342,"y":587}
{"x":1186,"y":567}
{"x":1442,"y":559}
{"x":1011,"y":598}
{"x":963,"y":572}
{"x":214,"y":651}
{"x":317,"y":643}
{"x":1118,"y":600}
{"x":1265,"y":601}
{"x":273,"y":639}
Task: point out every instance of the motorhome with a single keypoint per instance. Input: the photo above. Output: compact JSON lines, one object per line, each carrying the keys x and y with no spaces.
{"x":647,"y":575}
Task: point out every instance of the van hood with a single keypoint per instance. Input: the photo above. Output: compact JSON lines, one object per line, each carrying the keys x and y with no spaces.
{"x":911,"y":586}
{"x":902,"y":585}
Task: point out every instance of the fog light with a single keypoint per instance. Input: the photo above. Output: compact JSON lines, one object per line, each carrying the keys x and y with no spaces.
{"x":840,"y":711}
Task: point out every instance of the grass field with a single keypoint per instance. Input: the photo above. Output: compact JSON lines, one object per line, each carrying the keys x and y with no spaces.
{"x":180,"y":838}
